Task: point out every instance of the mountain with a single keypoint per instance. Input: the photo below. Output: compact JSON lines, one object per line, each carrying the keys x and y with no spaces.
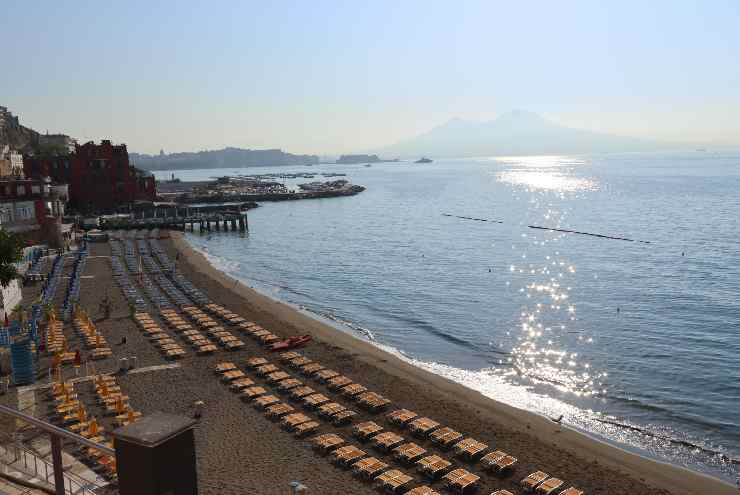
{"x":225,"y":158}
{"x":12,"y":133}
{"x":514,"y":133}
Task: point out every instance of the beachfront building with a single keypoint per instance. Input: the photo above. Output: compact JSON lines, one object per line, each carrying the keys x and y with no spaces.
{"x":33,"y":208}
{"x":11,"y":162}
{"x":100,"y":176}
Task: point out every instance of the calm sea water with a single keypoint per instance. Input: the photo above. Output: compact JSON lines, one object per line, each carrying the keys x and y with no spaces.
{"x":637,"y":343}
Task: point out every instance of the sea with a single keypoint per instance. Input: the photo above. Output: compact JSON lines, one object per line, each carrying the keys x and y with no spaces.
{"x":467,"y":268}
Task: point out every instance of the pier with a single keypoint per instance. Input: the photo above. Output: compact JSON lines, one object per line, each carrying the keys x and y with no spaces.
{"x":205,"y":222}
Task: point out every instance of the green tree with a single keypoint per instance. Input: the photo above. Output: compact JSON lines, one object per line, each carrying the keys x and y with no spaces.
{"x":11,"y":252}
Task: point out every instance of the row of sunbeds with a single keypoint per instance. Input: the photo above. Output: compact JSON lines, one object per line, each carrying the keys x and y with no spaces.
{"x":211,"y":327}
{"x":89,"y":333}
{"x":161,"y":339}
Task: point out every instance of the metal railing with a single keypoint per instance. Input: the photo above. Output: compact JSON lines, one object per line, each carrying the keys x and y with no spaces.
{"x":62,"y":484}
{"x":34,"y":465}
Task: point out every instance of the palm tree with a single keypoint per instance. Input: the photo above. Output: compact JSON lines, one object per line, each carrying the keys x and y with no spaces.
{"x":11,"y":252}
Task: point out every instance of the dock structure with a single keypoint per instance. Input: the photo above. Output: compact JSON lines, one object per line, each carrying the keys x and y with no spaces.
{"x":205,"y":222}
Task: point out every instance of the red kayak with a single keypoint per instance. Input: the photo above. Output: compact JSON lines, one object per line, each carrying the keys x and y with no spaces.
{"x":291,"y":343}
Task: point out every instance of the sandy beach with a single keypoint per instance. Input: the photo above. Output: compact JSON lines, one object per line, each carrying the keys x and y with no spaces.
{"x":240,"y":451}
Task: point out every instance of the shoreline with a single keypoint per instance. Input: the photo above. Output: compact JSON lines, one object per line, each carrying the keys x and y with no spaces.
{"x":592,"y":451}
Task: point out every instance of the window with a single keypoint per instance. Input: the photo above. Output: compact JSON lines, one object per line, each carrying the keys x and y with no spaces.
{"x":21,"y":190}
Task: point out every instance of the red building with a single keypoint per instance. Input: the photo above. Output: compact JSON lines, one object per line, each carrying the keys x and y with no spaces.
{"x":100,"y":176}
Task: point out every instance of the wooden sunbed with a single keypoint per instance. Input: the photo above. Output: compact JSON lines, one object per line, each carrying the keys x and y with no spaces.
{"x":401,"y":417}
{"x":338,"y":382}
{"x":347,"y":455}
{"x":277,"y":376}
{"x":240,"y":384}
{"x":461,"y":481}
{"x":277,"y":410}
{"x":256,"y":361}
{"x":364,"y":431}
{"x":327,"y":442}
{"x":265,"y":400}
{"x":343,"y":417}
{"x":369,"y":467}
{"x":252,"y":392}
{"x":304,"y":429}
{"x":353,"y":390}
{"x":502,"y":492}
{"x":422,"y":490}
{"x":225,"y":366}
{"x":393,"y":481}
{"x":287,"y":356}
{"x":300,"y":392}
{"x":325,"y":375}
{"x":387,"y":440}
{"x":571,"y":491}
{"x":372,"y":401}
{"x":409,"y":453}
{"x":498,"y":461}
{"x":315,"y":400}
{"x":433,"y":466}
{"x":330,"y":409}
{"x":533,"y":480}
{"x":445,"y":437}
{"x":289,"y":384}
{"x":266,"y":369}
{"x":310,"y":369}
{"x":232,"y":375}
{"x":470,"y":449}
{"x":422,"y":427}
{"x":292,"y":420}
{"x":549,"y":486}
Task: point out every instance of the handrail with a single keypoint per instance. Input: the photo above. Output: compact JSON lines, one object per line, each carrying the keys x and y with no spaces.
{"x":55,"y":430}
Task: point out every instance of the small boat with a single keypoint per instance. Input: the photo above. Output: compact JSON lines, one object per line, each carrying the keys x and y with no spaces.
{"x":290,"y":343}
{"x":424,"y":160}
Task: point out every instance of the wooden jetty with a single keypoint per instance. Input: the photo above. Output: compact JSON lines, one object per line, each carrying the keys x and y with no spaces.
{"x":206,"y":222}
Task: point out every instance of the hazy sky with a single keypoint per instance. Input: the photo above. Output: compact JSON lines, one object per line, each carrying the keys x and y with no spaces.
{"x":325,"y":77}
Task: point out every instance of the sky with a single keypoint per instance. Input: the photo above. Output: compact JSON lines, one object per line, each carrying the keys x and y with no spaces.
{"x":329,"y":77}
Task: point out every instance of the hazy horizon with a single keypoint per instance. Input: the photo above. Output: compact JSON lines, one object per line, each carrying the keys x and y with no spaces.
{"x":328,"y":78}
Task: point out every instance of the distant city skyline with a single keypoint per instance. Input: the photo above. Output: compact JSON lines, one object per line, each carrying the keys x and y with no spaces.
{"x":328,"y":77}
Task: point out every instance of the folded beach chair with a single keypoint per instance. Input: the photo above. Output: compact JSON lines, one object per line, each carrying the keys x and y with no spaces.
{"x":232,"y":375}
{"x":470,"y":449}
{"x":549,"y":486}
{"x":292,"y":420}
{"x":367,"y":430}
{"x":304,"y":429}
{"x":461,"y":481}
{"x":433,"y":466}
{"x":264,"y":401}
{"x":387,"y":441}
{"x":422,"y":490}
{"x":338,"y":382}
{"x":276,"y":411}
{"x":315,"y":400}
{"x":372,"y":402}
{"x":344,"y":417}
{"x":266,"y":369}
{"x":346,"y":455}
{"x":287,"y":356}
{"x":393,"y":481}
{"x":369,"y":467}
{"x":327,"y":442}
{"x":422,"y":427}
{"x":330,"y":409}
{"x":299,"y":362}
{"x":325,"y":375}
{"x":256,"y":362}
{"x":353,"y":390}
{"x":290,"y":383}
{"x":533,"y":480}
{"x":498,"y":461}
{"x":300,"y":392}
{"x":310,"y":369}
{"x":277,"y":376}
{"x":445,"y":437}
{"x":401,"y":417}
{"x":252,"y":393}
{"x":409,"y":453}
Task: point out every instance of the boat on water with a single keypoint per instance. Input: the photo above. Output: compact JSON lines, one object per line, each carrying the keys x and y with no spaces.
{"x":424,"y":160}
{"x":368,"y":165}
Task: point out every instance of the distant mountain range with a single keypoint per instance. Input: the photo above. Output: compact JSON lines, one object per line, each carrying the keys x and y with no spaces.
{"x":225,"y":158}
{"x":514,"y":133}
